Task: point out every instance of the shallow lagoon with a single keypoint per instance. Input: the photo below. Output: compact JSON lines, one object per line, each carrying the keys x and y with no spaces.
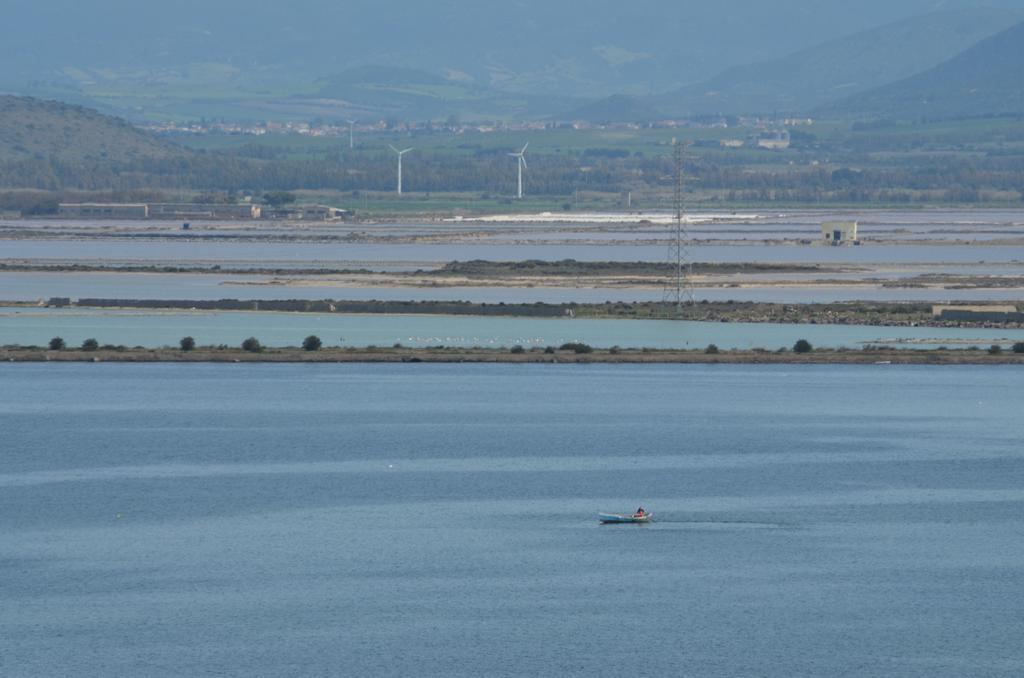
{"x":397,"y":520}
{"x":302,"y":254}
{"x":33,"y":286}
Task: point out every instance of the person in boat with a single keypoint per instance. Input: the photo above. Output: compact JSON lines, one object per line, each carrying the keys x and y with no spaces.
{"x":640,"y":513}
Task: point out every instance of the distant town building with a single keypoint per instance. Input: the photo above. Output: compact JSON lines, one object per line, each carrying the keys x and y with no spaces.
{"x":731,"y":143}
{"x":93,"y":210}
{"x":774,"y":141}
{"x":197,"y":211}
{"x":839,"y":232}
{"x":156,"y":211}
{"x":305,"y":213}
{"x":10,"y":214}
{"x":187,"y":212}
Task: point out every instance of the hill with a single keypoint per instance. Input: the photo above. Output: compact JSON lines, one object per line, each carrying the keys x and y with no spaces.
{"x":37,"y":129}
{"x":985,"y":80}
{"x":816,"y":76}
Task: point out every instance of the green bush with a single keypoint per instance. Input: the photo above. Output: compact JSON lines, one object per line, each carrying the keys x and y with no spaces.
{"x":802,"y":346}
{"x":549,"y":349}
{"x":995,"y":349}
{"x":57,"y":344}
{"x":90,"y":345}
{"x":712,"y":349}
{"x":252,"y":345}
{"x":187,"y":343}
{"x":1018,"y":347}
{"x":576,"y":347}
{"x":518,"y":349}
{"x":312,"y":343}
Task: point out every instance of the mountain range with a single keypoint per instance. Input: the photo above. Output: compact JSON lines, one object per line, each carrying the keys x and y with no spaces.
{"x":817,"y":78}
{"x":818,"y":75}
{"x":984,"y":80}
{"x":508,"y":59}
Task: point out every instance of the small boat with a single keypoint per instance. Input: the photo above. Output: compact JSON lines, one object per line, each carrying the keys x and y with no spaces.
{"x":608,"y":518}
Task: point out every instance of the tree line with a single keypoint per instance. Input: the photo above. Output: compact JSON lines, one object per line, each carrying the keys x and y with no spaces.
{"x":957,"y":179}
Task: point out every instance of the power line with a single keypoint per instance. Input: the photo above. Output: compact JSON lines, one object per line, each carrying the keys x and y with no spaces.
{"x":679,"y":289}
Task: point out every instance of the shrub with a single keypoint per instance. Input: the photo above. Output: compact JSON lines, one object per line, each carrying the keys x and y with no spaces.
{"x":518,"y":349}
{"x":1018,"y":347}
{"x":995,"y":349}
{"x":712,"y":349}
{"x":90,"y":345}
{"x":615,"y":350}
{"x":802,"y":346}
{"x":252,"y":344}
{"x":187,"y":343}
{"x":312,"y":343}
{"x":576,"y":347}
{"x":57,"y":344}
{"x":549,"y":349}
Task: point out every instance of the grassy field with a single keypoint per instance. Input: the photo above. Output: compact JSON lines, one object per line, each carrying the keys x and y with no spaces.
{"x":646,"y":141}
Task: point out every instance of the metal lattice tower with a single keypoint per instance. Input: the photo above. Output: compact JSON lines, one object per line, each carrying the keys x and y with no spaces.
{"x":679,"y":289}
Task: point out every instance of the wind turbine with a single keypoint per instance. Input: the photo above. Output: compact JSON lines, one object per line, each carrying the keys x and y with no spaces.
{"x":351,"y":134}
{"x":400,"y":154}
{"x":521,"y":158}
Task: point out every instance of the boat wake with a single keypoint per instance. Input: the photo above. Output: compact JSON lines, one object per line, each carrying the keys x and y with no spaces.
{"x":716,"y":524}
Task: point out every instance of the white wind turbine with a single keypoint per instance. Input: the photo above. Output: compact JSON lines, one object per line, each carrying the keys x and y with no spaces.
{"x":521,"y":161}
{"x":351,"y":134}
{"x":400,"y":154}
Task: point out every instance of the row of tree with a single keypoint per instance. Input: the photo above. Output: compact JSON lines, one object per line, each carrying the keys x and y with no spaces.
{"x":252,"y":344}
{"x":313,"y":343}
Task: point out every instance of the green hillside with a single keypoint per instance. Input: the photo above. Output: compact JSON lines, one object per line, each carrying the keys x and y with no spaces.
{"x":411,"y":94}
{"x":37,"y":129}
{"x":616,"y":108}
{"x":985,"y":80}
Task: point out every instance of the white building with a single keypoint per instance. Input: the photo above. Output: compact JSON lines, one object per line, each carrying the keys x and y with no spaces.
{"x":839,"y":232}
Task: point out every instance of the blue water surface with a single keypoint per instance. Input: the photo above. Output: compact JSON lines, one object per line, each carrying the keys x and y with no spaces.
{"x":440,"y":520}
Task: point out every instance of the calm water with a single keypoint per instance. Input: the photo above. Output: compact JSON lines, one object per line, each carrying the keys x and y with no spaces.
{"x":35,"y":326}
{"x":43,"y":285}
{"x":353,"y":254}
{"x":419,"y":520}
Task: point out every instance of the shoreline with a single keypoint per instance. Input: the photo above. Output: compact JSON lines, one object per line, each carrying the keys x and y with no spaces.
{"x":865,"y":313}
{"x":535,"y":356}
